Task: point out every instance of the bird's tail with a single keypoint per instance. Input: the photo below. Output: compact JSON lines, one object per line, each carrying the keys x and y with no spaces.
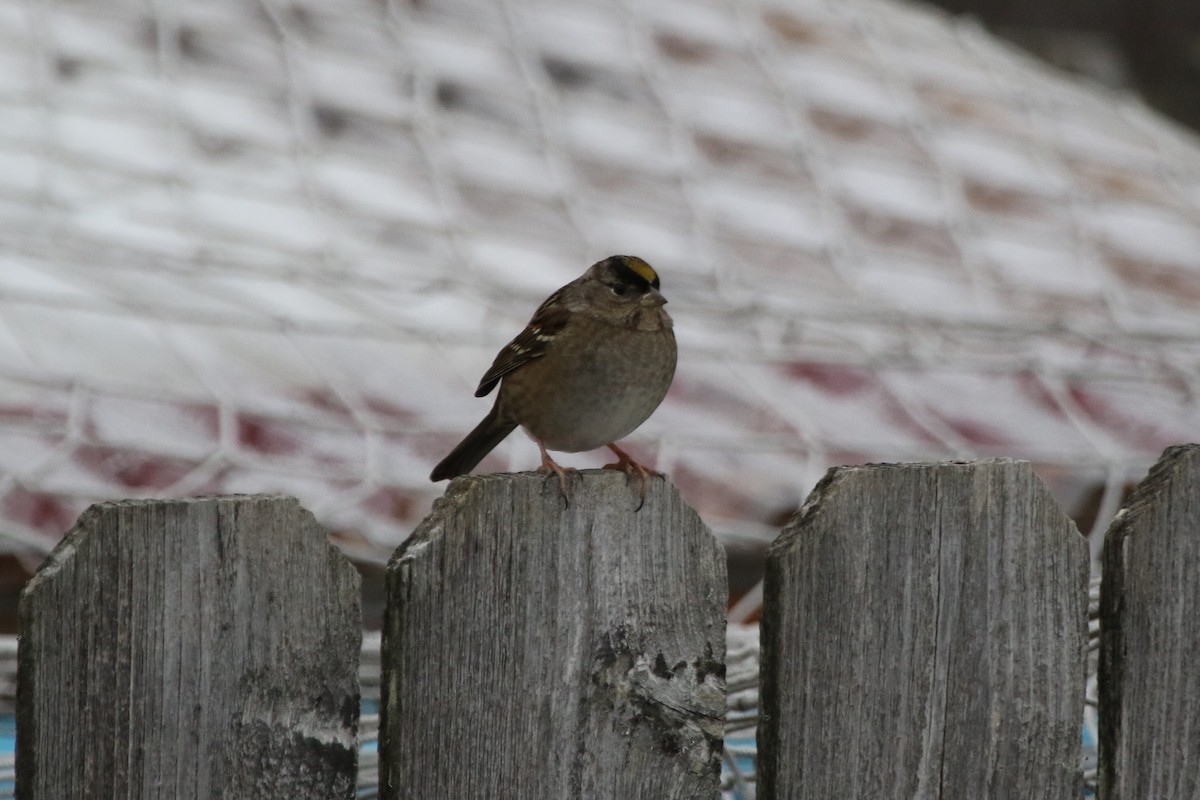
{"x":471,"y":450}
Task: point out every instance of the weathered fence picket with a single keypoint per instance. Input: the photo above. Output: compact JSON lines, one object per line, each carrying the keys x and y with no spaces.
{"x":190,"y":649}
{"x":1150,"y":638}
{"x":923,"y":636}
{"x":533,"y":650}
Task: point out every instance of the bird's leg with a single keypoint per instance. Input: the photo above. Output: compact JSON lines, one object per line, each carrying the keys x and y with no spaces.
{"x":626,"y":464}
{"x":549,"y":465}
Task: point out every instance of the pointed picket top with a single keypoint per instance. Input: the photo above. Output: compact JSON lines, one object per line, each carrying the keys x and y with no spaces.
{"x":191,"y":648}
{"x":923,"y":635}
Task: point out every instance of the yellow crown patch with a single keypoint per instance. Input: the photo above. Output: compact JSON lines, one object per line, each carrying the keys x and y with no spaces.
{"x":644,"y":270}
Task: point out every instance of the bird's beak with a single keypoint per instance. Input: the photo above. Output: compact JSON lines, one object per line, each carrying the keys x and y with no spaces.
{"x":654,"y":298}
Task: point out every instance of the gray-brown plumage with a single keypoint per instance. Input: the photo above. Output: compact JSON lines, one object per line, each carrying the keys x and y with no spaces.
{"x":592,"y":365}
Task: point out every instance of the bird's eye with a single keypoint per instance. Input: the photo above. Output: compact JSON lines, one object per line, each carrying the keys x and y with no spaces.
{"x":621,"y":289}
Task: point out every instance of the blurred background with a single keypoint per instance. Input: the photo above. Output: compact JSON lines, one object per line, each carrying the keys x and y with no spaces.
{"x":1151,"y":47}
{"x":272,"y":246}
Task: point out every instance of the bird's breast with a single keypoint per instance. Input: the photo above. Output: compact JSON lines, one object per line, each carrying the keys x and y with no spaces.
{"x":595,"y":389}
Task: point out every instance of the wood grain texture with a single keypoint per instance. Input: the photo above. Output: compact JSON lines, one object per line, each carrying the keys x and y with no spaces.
{"x":190,"y":649}
{"x":1150,"y":637}
{"x":537,"y":651}
{"x":923,"y":636}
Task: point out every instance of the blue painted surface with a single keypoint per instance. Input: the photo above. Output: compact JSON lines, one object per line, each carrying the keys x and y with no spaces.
{"x":8,"y":746}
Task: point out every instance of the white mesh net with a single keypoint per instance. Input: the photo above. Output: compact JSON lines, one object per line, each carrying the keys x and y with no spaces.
{"x":272,"y":246}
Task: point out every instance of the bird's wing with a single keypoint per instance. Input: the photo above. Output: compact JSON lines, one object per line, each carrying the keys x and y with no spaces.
{"x":547,"y":322}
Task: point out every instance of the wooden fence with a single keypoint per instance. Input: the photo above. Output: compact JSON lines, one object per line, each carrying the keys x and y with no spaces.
{"x":924,"y":635}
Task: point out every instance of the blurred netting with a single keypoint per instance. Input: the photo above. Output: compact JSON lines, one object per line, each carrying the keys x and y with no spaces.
{"x":271,"y":247}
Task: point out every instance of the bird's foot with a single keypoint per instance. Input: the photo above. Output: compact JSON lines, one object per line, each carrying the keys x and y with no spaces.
{"x":550,"y":466}
{"x":626,"y":464}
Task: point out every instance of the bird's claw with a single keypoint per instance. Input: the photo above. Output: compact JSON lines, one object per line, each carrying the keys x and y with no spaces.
{"x":549,"y":467}
{"x":626,"y":464}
